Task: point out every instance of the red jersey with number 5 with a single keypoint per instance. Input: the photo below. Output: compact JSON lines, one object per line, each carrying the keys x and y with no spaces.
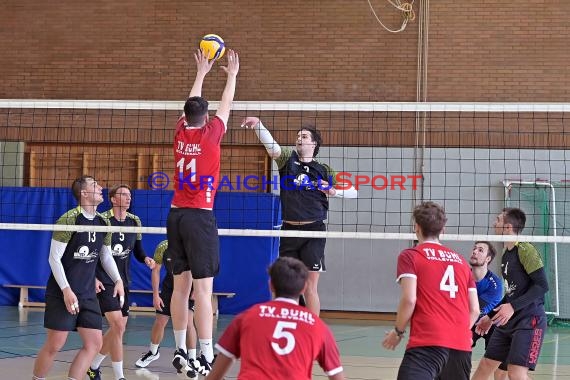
{"x":280,"y":340}
{"x":197,"y":159}
{"x":444,"y":280}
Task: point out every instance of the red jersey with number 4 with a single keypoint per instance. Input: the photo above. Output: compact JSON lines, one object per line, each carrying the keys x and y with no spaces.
{"x":197,"y":159}
{"x":280,"y":340}
{"x":444,"y":280}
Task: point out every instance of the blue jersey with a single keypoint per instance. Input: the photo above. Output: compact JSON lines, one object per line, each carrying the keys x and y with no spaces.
{"x":489,"y":292}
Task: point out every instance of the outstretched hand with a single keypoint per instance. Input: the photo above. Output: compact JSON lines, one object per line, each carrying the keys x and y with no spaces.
{"x":391,"y":340}
{"x":250,"y":122}
{"x":150,"y":263}
{"x":157,"y":302}
{"x":326,"y":188}
{"x":71,"y":301}
{"x":504,"y":313}
{"x":202,"y":64}
{"x":483,"y":326}
{"x":99,"y":287}
{"x":233,"y":63}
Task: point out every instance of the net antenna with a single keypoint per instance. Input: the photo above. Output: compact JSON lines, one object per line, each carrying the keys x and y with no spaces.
{"x":407,"y":10}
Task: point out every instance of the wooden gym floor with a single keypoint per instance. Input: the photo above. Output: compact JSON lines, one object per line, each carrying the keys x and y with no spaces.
{"x":22,"y":334}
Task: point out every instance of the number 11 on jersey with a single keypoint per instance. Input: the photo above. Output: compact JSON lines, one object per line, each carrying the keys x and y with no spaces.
{"x":191,"y":166}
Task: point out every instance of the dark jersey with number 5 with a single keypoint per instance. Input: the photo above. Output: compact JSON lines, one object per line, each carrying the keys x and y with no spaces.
{"x":122,"y":244}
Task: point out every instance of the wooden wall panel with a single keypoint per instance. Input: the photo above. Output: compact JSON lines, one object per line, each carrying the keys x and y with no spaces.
{"x":56,"y":165}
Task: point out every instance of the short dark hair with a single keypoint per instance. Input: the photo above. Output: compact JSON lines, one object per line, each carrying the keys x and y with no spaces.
{"x":491,"y":251}
{"x":431,"y":218}
{"x":515,"y":217}
{"x":78,"y":185}
{"x":195,"y":109}
{"x":288,"y":276}
{"x":315,"y":136}
{"x":113,"y":190}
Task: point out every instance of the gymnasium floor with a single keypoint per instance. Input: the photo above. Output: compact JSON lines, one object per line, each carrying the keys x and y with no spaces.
{"x":21,"y":335}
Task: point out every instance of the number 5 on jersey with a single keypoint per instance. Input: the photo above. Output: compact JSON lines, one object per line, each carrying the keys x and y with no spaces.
{"x":281,"y":332}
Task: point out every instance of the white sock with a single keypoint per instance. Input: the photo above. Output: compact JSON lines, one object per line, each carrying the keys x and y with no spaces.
{"x":97,"y":361}
{"x":180,"y":339}
{"x":34,"y":377}
{"x":192,"y":353}
{"x":70,"y":378}
{"x":153,"y":348}
{"x":207,"y":349}
{"x":118,"y":370}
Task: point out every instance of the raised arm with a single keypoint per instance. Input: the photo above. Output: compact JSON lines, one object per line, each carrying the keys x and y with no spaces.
{"x":231,"y":70}
{"x":203,"y":67}
{"x":272,"y":147}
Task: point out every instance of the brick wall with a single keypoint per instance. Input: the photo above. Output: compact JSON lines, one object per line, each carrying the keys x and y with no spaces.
{"x":290,"y":50}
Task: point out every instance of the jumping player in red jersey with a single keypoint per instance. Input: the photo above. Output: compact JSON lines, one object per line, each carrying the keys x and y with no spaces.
{"x":279,"y":339}
{"x":191,"y":227}
{"x":439,"y":298}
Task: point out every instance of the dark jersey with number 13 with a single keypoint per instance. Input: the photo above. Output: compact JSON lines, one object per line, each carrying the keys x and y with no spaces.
{"x":81,"y":254}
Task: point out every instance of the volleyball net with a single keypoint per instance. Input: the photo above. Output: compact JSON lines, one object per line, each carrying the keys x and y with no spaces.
{"x":474,"y":159}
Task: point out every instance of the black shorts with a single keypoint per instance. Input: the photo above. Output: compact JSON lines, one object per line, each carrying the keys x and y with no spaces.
{"x":310,"y":251}
{"x":56,"y":316}
{"x":428,"y":363}
{"x":166,"y":296}
{"x":109,"y":303}
{"x":519,"y":344}
{"x":193,"y":242}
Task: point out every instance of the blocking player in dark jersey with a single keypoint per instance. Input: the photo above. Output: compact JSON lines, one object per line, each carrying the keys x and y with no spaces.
{"x":122,"y":245}
{"x":279,"y":339}
{"x":71,"y":301}
{"x":520,"y":318}
{"x":161,"y":302}
{"x":305,"y":186}
{"x":438,"y":299}
{"x":191,"y":226}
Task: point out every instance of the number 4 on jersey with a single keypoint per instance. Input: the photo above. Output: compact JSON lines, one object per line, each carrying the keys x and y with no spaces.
{"x":447,"y":283}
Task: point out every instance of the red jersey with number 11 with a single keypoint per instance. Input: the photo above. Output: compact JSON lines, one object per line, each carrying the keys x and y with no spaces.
{"x":444,"y":280}
{"x":280,"y":340}
{"x":197,"y":160}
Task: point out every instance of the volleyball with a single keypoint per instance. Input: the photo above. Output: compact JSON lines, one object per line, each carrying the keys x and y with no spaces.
{"x":213,"y":46}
